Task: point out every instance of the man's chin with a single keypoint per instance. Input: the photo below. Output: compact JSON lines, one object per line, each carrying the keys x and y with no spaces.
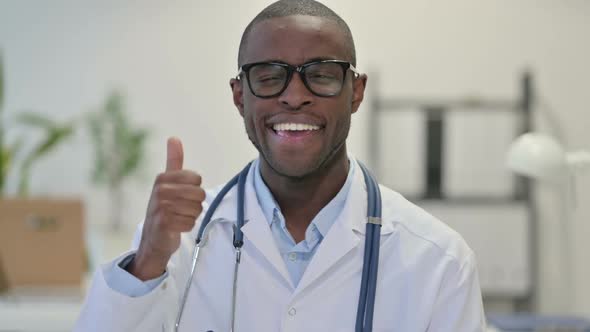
{"x":295,"y":169}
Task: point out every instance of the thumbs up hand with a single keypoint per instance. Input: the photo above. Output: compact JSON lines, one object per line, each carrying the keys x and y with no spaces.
{"x":174,"y":206}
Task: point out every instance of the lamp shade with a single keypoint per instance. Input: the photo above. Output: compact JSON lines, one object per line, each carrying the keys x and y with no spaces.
{"x":538,"y":156}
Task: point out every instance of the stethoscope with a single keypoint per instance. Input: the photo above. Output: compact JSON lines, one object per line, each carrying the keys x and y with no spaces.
{"x":366,"y":305}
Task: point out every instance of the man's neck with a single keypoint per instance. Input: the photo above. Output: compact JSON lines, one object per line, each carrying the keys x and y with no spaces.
{"x":302,"y":199}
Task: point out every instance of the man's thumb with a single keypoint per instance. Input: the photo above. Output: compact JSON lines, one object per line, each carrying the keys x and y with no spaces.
{"x":174,"y":155}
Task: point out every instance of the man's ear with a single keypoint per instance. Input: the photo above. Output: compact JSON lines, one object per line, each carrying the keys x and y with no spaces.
{"x":358,"y":91}
{"x":237,"y":89}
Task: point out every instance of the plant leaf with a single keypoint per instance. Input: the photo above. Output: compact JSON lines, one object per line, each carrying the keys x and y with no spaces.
{"x":53,"y":138}
{"x":134,"y":152}
{"x":36,"y":120}
{"x":7,"y":155}
{"x":5,"y":160}
{"x":119,"y":148}
{"x":95,"y":125}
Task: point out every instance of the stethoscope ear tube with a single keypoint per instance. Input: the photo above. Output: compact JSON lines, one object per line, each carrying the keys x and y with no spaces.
{"x":238,"y":240}
{"x":216,"y":201}
{"x":201,"y":236}
{"x":366,"y":306}
{"x":238,"y":234}
{"x":187,"y":287}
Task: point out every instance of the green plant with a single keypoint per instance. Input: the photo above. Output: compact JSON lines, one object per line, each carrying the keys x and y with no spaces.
{"x":119,"y":149}
{"x":6,"y":152}
{"x":55,"y":133}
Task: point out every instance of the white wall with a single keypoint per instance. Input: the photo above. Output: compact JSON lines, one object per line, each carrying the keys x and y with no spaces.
{"x":174,"y":60}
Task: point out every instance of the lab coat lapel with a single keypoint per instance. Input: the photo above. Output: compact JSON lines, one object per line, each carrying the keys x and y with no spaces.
{"x":341,"y":237}
{"x":256,"y":229}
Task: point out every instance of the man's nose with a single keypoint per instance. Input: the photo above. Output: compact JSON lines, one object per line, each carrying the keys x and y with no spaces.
{"x":296,"y":95}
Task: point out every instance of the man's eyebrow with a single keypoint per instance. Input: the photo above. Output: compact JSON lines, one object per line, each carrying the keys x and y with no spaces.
{"x":315,"y":59}
{"x":266,"y":61}
{"x":321,"y":59}
{"x":275,"y":61}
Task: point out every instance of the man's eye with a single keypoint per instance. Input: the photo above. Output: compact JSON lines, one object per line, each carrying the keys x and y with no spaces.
{"x":268,"y":79}
{"x":322,"y":77}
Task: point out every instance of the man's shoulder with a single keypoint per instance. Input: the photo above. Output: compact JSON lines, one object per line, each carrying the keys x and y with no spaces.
{"x":422,"y":231}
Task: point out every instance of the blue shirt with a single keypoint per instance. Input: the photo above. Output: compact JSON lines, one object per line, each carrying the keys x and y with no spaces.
{"x":298,"y":255}
{"x":295,"y":255}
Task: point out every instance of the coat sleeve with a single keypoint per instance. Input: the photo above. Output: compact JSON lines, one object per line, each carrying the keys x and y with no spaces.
{"x":106,"y":309}
{"x":459,"y":306}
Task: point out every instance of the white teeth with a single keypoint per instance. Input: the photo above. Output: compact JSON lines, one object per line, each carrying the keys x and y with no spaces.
{"x":294,"y":126}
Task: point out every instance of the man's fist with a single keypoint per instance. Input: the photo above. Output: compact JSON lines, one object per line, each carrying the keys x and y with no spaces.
{"x":174,"y":206}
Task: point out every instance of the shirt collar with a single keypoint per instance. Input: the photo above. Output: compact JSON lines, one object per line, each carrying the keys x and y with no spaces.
{"x":323,"y":220}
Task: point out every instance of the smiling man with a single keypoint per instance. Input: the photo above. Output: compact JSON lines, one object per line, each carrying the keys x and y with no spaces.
{"x":301,"y":259}
{"x":296,"y":90}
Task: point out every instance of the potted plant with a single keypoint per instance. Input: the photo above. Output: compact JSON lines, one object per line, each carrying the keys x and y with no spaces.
{"x":54,"y":134}
{"x":41,"y":238}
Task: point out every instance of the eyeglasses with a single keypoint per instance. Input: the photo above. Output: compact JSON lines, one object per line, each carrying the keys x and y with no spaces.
{"x":323,"y":78}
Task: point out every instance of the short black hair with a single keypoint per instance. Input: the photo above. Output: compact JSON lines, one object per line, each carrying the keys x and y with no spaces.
{"x":284,"y":8}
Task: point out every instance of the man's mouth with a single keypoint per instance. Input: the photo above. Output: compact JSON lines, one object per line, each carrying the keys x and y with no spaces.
{"x":290,"y":129}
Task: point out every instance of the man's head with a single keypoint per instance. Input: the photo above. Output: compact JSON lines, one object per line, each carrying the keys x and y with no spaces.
{"x":298,"y":120}
{"x":285,"y":8}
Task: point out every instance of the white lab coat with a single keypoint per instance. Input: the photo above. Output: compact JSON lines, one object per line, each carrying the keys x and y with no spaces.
{"x":427,"y":278}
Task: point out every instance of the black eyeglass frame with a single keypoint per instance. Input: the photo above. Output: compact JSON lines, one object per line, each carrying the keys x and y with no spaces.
{"x":245,"y":70}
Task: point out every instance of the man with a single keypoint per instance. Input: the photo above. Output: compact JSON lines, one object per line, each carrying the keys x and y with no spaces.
{"x":305,"y":208}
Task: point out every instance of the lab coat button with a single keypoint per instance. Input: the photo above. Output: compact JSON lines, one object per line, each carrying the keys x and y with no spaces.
{"x":292,"y":312}
{"x":164,"y":285}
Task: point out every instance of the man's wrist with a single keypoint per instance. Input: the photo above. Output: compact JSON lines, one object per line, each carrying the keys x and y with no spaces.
{"x":145,"y":268}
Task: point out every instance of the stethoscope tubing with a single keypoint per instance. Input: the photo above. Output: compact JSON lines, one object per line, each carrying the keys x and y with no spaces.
{"x":199,"y":242}
{"x":238,"y":240}
{"x":364,"y":319}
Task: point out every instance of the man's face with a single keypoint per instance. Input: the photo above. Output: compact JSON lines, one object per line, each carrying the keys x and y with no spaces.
{"x":297,"y":40}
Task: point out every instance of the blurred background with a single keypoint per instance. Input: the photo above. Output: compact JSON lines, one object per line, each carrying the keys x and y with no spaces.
{"x":92,"y":90}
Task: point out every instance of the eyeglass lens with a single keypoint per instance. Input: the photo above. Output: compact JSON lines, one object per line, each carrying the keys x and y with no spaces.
{"x":322,"y":78}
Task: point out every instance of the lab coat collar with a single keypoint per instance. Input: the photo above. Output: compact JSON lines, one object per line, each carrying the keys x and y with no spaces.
{"x":357,"y":196}
{"x":325,"y":218}
{"x":256,"y":229}
{"x":344,"y":235}
{"x":356,"y":206}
